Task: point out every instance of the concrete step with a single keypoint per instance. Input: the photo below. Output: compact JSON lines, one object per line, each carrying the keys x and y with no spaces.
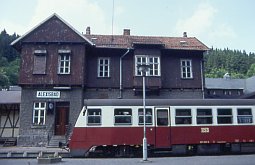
{"x":55,"y":140}
{"x":31,"y":154}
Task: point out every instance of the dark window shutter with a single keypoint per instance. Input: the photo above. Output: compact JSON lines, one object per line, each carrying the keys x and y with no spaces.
{"x":39,"y":63}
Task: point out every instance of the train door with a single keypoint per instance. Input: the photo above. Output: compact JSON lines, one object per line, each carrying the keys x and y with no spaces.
{"x":162,"y":128}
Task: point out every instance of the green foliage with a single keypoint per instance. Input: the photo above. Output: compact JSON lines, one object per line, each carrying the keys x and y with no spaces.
{"x":9,"y":60}
{"x":237,"y":63}
{"x":4,"y":80}
{"x":251,"y":71}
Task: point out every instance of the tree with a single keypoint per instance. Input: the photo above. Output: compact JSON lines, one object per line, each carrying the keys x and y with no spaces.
{"x":235,"y":62}
{"x":4,"y":81}
{"x":251,"y":71}
{"x":9,"y":60}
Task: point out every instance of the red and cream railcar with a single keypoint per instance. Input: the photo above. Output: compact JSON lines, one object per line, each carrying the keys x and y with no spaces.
{"x":115,"y":127}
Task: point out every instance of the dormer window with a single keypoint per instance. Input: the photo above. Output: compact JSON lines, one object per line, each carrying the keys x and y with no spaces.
{"x":64,"y":61}
{"x":152,"y":61}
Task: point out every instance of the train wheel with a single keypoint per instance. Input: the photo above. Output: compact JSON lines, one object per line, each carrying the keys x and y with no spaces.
{"x":124,"y":151}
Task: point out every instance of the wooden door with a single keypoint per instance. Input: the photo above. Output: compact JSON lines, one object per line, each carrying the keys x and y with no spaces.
{"x":61,"y":122}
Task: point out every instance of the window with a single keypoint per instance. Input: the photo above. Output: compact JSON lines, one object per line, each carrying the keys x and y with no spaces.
{"x":162,"y":117}
{"x":39,"y":62}
{"x":183,"y":116}
{"x":103,"y":67}
{"x":64,"y":62}
{"x":152,"y":61}
{"x":204,"y":116}
{"x":148,"y":116}
{"x":123,"y":116}
{"x":94,"y":116}
{"x":186,"y":69}
{"x":39,"y":113}
{"x":244,"y":115}
{"x":224,"y":116}
{"x":227,"y":92}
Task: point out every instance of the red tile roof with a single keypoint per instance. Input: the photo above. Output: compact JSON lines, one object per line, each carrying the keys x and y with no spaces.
{"x":127,"y":41}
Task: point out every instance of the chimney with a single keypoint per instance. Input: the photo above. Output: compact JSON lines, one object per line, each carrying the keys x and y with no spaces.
{"x":126,"y":32}
{"x":88,"y":30}
{"x":185,"y":34}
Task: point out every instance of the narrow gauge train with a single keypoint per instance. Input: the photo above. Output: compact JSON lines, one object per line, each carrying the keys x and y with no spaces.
{"x":115,"y":127}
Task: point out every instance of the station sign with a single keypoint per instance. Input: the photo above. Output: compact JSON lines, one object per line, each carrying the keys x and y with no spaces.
{"x":48,"y":94}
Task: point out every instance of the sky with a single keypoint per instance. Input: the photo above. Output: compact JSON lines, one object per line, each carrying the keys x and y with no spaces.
{"x":216,"y":23}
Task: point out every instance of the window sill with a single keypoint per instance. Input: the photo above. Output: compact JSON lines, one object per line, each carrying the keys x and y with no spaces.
{"x":103,"y":77}
{"x":187,"y":78}
{"x":148,"y":76}
{"x":42,"y":74}
{"x":64,"y":74}
{"x":38,"y":126}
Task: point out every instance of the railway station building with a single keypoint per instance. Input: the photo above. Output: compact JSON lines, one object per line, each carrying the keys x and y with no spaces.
{"x":60,"y":67}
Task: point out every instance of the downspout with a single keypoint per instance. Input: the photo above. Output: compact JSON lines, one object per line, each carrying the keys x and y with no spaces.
{"x":202,"y":78}
{"x":121,"y":85}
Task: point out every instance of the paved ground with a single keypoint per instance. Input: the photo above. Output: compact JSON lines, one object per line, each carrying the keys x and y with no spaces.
{"x":194,"y":160}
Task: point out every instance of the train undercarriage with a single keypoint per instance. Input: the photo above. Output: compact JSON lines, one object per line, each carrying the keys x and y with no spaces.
{"x":176,"y":150}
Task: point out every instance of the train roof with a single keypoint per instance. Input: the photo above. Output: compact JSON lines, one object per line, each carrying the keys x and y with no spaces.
{"x":167,"y":102}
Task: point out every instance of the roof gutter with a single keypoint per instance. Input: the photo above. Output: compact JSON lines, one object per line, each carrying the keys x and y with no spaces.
{"x":121,"y":84}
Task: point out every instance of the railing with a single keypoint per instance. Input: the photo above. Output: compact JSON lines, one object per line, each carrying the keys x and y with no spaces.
{"x":68,"y":133}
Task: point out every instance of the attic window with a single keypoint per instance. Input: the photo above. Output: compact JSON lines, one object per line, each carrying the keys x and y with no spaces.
{"x":183,"y":43}
{"x":39,"y":61}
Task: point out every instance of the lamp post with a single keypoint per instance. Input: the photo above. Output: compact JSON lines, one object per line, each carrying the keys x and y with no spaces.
{"x":144,"y":68}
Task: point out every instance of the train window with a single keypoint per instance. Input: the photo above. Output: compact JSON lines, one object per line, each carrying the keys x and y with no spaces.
{"x":183,"y":116}
{"x":148,"y":117}
{"x":244,"y":115}
{"x":123,"y":116}
{"x":225,"y":116}
{"x":162,"y":117}
{"x":94,"y":116}
{"x":204,"y":116}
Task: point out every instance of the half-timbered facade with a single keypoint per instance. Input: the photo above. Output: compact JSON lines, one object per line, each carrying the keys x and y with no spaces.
{"x":61,"y":67}
{"x":9,"y":116}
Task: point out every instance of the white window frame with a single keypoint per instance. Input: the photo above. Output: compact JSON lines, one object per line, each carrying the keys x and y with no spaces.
{"x":244,"y":118}
{"x":64,"y":64}
{"x":103,"y":67}
{"x":96,"y":115}
{"x":186,"y":118}
{"x":152,"y":61}
{"x":186,"y":69}
{"x":148,"y":116}
{"x":39,"y":113}
{"x":226,"y":116}
{"x":123,"y":113}
{"x":202,"y":116}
